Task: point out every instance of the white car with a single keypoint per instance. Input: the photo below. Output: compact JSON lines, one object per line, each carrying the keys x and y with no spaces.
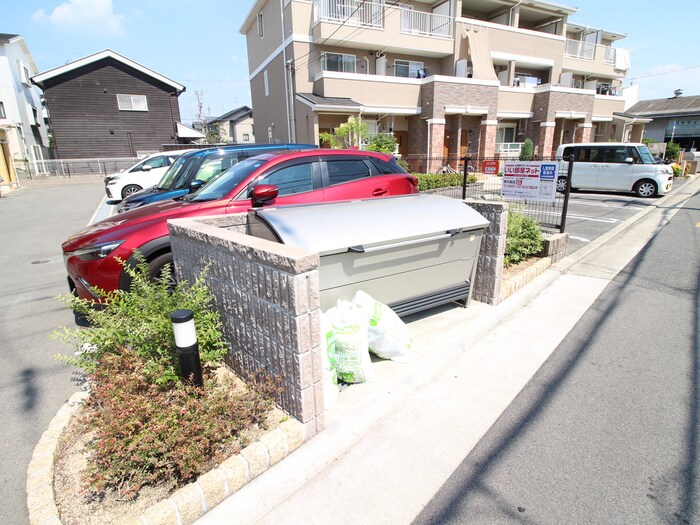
{"x":144,"y":174}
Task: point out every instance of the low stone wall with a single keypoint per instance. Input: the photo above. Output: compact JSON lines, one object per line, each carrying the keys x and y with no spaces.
{"x":268,"y":296}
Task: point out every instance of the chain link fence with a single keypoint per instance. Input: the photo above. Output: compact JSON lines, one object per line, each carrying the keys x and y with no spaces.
{"x":68,"y":168}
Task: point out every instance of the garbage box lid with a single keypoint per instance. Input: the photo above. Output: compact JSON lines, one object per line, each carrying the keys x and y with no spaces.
{"x":335,"y":227}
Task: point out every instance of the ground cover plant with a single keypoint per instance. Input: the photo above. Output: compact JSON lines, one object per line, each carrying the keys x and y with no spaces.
{"x":146,"y":425}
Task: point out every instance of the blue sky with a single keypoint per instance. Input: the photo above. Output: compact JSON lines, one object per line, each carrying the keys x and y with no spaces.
{"x":197,"y":44}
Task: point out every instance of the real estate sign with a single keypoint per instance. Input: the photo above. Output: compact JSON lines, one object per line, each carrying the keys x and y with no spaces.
{"x":530,"y":180}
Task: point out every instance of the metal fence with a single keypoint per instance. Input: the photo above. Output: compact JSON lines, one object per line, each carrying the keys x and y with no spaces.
{"x":482,"y":178}
{"x":74,"y":167}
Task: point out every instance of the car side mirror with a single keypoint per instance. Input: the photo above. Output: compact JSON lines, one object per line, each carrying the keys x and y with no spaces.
{"x":629,"y":160}
{"x":263,"y":193}
{"x":147,"y":167}
{"x":195,"y":185}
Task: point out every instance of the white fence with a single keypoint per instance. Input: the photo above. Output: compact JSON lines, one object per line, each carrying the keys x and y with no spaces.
{"x":368,"y":13}
{"x":74,"y":167}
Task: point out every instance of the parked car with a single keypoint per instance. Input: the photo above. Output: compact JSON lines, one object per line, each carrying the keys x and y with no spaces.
{"x":616,"y":166}
{"x":192,"y":170}
{"x":144,"y":174}
{"x":92,"y":255}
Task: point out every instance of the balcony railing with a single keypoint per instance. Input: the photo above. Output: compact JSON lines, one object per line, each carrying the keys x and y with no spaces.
{"x":586,"y":51}
{"x":420,"y":23}
{"x":508,"y":149}
{"x":369,"y":13}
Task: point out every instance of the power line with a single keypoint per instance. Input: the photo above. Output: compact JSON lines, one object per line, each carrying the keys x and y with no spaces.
{"x":664,"y":72}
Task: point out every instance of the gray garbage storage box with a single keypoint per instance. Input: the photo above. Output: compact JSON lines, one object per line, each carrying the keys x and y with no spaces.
{"x":411,"y":252}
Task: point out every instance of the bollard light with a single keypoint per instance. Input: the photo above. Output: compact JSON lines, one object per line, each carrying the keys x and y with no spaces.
{"x":186,"y":346}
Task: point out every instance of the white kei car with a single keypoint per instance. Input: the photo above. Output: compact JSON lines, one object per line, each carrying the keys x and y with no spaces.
{"x":144,"y":174}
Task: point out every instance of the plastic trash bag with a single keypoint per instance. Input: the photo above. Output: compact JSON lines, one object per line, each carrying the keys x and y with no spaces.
{"x":389,"y":337}
{"x":345,"y":329}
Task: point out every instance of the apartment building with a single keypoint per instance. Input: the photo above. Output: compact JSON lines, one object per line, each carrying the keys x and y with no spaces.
{"x":445,"y":77}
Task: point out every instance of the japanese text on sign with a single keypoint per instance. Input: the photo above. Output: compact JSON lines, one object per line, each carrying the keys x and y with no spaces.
{"x":529,"y":180}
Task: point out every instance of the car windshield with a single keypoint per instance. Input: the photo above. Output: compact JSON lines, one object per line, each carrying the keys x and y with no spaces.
{"x":172,"y":173}
{"x":647,"y":157}
{"x":223,"y":183}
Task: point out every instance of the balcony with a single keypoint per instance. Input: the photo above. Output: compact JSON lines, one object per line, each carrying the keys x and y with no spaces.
{"x":389,"y":27}
{"x":601,"y":59}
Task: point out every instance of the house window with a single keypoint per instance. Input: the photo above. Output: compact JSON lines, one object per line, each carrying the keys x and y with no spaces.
{"x":266,"y":83}
{"x":246,"y":137}
{"x":261,"y":27}
{"x":408,"y":68}
{"x":338,"y":62}
{"x":2,"y":110}
{"x":26,"y":76}
{"x":132,"y":103}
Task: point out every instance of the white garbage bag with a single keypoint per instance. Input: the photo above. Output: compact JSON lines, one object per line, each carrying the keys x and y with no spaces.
{"x":345,"y":332}
{"x":389,"y":337}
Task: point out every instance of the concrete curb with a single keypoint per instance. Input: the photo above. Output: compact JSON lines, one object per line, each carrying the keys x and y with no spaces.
{"x":185,"y":505}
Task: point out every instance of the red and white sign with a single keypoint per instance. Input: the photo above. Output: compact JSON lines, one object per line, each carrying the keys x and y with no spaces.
{"x":527,"y":180}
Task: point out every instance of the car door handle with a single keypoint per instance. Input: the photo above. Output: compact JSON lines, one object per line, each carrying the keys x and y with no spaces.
{"x":379,"y":191}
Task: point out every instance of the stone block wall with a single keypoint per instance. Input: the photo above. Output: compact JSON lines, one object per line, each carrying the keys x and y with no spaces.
{"x":489,"y":270}
{"x":268,"y":297}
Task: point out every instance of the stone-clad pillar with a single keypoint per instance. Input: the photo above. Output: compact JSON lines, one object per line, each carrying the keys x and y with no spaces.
{"x":436,"y":142}
{"x":487,"y":140}
{"x":583,"y":132}
{"x":546,"y":142}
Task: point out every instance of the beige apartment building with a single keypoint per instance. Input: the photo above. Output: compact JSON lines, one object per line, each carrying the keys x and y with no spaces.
{"x":445,"y":77}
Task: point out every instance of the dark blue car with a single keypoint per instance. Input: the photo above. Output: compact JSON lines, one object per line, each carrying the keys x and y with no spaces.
{"x":193,"y":169}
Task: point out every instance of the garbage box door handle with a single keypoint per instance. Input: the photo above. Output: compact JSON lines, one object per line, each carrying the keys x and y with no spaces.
{"x":362,"y":249}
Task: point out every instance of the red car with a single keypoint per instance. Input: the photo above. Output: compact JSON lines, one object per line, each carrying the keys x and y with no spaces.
{"x":92,"y":254}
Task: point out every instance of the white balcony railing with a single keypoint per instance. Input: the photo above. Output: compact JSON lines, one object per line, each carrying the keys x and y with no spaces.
{"x":508,"y":149}
{"x":369,"y":13}
{"x":610,"y":55}
{"x":420,"y":23}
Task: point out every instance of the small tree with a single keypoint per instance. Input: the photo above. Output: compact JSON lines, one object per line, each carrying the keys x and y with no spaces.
{"x":527,"y":151}
{"x":213,"y":134}
{"x":347,"y":135}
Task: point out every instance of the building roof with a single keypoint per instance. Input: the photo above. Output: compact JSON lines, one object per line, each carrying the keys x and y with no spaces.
{"x":233,"y":115}
{"x":666,"y":107}
{"x":6,"y":37}
{"x":329,"y":102}
{"x":186,"y":132}
{"x":107,"y":53}
{"x":608,"y":35}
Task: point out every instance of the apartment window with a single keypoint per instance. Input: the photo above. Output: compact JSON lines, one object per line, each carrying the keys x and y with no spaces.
{"x":261,"y":26}
{"x":505,"y":134}
{"x":338,"y":62}
{"x":408,"y":68}
{"x":246,"y":137}
{"x":132,"y":102}
{"x":266,"y":83}
{"x":2,"y":110}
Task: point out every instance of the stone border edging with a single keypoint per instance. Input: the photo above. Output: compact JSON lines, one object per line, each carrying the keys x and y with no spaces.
{"x":185,"y":505}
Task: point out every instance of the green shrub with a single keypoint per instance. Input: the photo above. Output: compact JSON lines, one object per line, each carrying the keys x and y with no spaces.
{"x":430,"y":181}
{"x":402,"y":163}
{"x":145,"y":435}
{"x":523,"y":238}
{"x":383,"y":143}
{"x":677,"y":170}
{"x":471,"y":179}
{"x":672,"y":151}
{"x":139,"y":319}
{"x":527,"y":151}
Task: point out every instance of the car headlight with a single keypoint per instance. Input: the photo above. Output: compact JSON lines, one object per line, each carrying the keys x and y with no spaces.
{"x":97,"y":251}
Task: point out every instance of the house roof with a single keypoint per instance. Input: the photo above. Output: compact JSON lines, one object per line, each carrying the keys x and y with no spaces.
{"x":6,"y":37}
{"x":666,"y":107}
{"x":186,"y":132}
{"x":319,"y":102}
{"x":252,"y":15}
{"x":233,"y":115}
{"x":107,"y":53}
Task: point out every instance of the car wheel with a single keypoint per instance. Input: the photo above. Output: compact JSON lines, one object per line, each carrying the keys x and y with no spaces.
{"x":561,"y":184}
{"x":128,"y":190}
{"x":156,"y":266}
{"x":646,"y":188}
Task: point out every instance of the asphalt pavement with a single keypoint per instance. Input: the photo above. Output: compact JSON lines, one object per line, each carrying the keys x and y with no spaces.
{"x":34,"y":385}
{"x":390,"y":446}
